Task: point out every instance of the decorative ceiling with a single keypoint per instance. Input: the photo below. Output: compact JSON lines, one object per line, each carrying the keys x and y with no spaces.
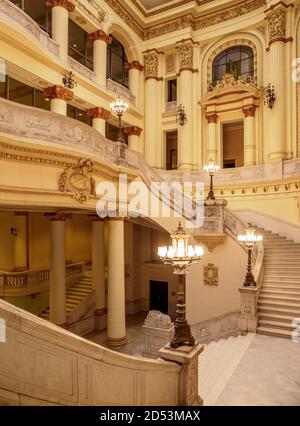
{"x":150,"y":4}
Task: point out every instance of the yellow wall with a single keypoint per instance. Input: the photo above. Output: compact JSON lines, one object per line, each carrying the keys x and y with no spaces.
{"x":6,"y":241}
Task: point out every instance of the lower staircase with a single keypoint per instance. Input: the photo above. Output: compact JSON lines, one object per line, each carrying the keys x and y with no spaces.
{"x":217,"y":363}
{"x":75,"y":294}
{"x":279,"y":298}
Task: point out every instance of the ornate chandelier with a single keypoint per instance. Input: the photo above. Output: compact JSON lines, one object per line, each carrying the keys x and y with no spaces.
{"x":248,"y":240}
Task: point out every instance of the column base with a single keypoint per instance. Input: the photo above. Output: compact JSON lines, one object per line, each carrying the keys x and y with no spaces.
{"x":100,"y":312}
{"x":115,"y":342}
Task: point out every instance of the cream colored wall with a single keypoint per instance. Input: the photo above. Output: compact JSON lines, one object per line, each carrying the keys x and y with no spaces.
{"x":233,"y":143}
{"x":207,"y":302}
{"x":82,"y":238}
{"x":39,"y":241}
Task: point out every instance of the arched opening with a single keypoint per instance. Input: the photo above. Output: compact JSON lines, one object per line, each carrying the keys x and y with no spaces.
{"x":236,"y":60}
{"x":116,"y":60}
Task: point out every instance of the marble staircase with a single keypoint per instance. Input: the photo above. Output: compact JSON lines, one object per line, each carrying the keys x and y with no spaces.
{"x":75,"y":294}
{"x":279,"y":298}
{"x":217,"y":363}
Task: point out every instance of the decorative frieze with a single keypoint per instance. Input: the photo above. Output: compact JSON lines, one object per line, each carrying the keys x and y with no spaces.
{"x":58,"y":92}
{"x":134,"y":65}
{"x":133,"y":131}
{"x":99,"y":112}
{"x":67,"y":4}
{"x":100,"y":35}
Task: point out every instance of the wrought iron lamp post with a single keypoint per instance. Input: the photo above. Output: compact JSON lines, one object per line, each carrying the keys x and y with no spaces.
{"x":181,"y":255}
{"x":211,"y":168}
{"x":119,"y":107}
{"x":249,"y":239}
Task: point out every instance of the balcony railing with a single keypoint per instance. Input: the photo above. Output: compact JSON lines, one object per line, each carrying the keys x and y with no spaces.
{"x":120,"y":90}
{"x":17,"y":17}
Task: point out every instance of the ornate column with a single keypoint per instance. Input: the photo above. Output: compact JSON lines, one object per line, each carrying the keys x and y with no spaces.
{"x":185,"y":132}
{"x":59,"y":97}
{"x":116,"y":320}
{"x":249,"y":135}
{"x":21,"y":242}
{"x":57,"y":269}
{"x":212,"y":146}
{"x":133,"y":132}
{"x":135,"y":69}
{"x":99,"y":116}
{"x":276,"y":21}
{"x":100,"y":41}
{"x":60,"y":24}
{"x":152,"y":107}
{"x":98,"y":266}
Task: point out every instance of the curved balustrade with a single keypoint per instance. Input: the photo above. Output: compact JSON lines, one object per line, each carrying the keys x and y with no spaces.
{"x":16,"y":16}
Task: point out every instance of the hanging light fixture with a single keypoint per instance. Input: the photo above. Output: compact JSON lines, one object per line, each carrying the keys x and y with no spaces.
{"x":211,"y":168}
{"x":249,"y":239}
{"x":119,"y":107}
{"x":181,"y":255}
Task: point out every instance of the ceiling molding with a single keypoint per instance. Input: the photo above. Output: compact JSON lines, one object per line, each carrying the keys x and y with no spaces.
{"x":185,"y":20}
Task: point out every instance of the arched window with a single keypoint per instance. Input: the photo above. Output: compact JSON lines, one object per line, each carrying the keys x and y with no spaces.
{"x":116,"y":60}
{"x":236,"y":60}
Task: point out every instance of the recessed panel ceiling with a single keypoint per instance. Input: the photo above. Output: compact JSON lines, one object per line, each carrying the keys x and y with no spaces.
{"x":150,"y":4}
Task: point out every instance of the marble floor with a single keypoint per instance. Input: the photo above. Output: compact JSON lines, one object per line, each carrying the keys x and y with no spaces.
{"x":268,"y":374}
{"x":135,"y":336}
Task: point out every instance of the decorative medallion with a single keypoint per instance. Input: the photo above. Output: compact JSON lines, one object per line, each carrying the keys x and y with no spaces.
{"x":211,"y":274}
{"x":78,"y":180}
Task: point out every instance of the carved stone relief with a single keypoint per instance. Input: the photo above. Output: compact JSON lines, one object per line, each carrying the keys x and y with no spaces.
{"x":211,"y":274}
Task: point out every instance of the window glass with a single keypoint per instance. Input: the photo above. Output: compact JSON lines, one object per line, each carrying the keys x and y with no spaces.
{"x":112,"y":132}
{"x":172,"y":90}
{"x":237,"y":60}
{"x":20,"y":92}
{"x":38,"y":11}
{"x":80,"y":47}
{"x":116,"y":60}
{"x":2,"y":89}
{"x":40,"y":101}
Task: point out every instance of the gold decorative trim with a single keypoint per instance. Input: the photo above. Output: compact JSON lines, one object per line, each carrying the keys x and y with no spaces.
{"x":211,"y":240}
{"x":211,"y":275}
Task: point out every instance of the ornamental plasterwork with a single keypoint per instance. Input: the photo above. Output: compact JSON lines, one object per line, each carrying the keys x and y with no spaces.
{"x":151,"y":64}
{"x":276,"y":24}
{"x":210,"y":274}
{"x":185,"y":54}
{"x":78,"y":180}
{"x":228,"y":80}
{"x":185,"y":21}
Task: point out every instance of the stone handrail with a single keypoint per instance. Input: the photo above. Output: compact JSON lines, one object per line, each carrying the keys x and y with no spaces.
{"x":16,"y":16}
{"x":120,"y":90}
{"x":65,"y":369}
{"x":34,"y":281}
{"x":235,"y":226}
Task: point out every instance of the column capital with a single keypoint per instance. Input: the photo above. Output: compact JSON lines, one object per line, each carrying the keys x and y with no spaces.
{"x":186,"y":54}
{"x":99,"y":112}
{"x":100,"y":35}
{"x":21,"y":213}
{"x":249,"y":111}
{"x":133,"y":131}
{"x":276,"y":22}
{"x":134,"y":65}
{"x":96,"y":218}
{"x":211,"y":117}
{"x":151,"y":64}
{"x":58,"y":217}
{"x":67,"y":4}
{"x":58,"y":92}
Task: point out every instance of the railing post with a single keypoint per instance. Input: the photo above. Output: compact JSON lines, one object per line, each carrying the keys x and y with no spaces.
{"x":187,"y":357}
{"x":248,"y":315}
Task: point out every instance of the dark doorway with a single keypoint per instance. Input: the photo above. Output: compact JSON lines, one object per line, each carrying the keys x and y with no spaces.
{"x":159,"y":296}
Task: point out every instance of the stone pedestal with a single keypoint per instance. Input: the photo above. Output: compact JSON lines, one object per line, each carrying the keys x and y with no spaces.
{"x":187,"y":357}
{"x":248,"y":315}
{"x":158,"y":331}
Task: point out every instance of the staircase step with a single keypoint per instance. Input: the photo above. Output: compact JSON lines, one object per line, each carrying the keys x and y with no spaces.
{"x":284,"y":287}
{"x":277,"y":293}
{"x":280,"y":303}
{"x":276,"y":333}
{"x":280,"y":280}
{"x":276,"y":325}
{"x":278,"y":309}
{"x":276,"y":317}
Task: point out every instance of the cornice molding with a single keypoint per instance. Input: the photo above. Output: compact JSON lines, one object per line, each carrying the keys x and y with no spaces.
{"x":67,"y":4}
{"x":186,"y":20}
